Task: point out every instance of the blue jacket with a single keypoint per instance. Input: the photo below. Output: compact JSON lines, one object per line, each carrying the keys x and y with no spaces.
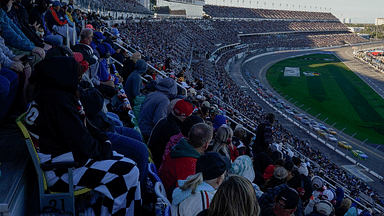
{"x":134,"y":83}
{"x":12,"y":35}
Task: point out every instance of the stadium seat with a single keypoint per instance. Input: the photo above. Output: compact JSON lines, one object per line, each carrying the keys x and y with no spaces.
{"x":51,"y":202}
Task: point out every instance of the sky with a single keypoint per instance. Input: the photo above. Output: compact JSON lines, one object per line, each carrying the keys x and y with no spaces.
{"x":359,"y":11}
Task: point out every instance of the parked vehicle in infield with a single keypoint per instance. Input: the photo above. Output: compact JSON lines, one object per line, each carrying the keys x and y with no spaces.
{"x":344,"y":145}
{"x":359,"y":154}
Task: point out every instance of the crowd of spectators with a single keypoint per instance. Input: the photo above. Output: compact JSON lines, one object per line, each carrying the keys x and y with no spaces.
{"x":235,"y":12}
{"x":126,"y":6}
{"x":176,"y":39}
{"x":194,"y":146}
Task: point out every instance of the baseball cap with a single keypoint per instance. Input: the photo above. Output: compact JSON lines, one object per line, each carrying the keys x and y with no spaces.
{"x":328,"y":195}
{"x":317,"y":182}
{"x":183,"y":108}
{"x":288,"y":198}
{"x":324,"y":207}
{"x":86,"y":51}
{"x":98,"y":35}
{"x":280,"y":173}
{"x":243,"y":166}
{"x":56,"y":3}
{"x":89,"y":26}
{"x":212,"y":165}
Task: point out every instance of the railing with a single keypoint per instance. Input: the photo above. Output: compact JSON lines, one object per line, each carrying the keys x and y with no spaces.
{"x":160,"y":72}
{"x":245,"y":117}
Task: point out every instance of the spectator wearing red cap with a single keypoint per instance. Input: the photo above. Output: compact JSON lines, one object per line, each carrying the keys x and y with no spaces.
{"x":166,"y":128}
{"x":181,"y":161}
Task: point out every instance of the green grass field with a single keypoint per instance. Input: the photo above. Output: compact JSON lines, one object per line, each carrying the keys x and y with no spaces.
{"x":338,"y":94}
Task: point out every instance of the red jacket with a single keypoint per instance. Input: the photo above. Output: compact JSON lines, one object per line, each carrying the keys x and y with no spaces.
{"x":178,"y":165}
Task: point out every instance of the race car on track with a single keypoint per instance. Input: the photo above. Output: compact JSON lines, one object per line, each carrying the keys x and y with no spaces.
{"x":359,"y":154}
{"x":344,"y":145}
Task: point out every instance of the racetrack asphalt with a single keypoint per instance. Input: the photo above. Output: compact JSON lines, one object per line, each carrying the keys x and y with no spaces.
{"x":257,"y":67}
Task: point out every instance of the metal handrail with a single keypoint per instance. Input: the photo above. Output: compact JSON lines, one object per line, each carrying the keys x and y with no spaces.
{"x":160,"y":72}
{"x":243,"y":127}
{"x":232,"y":108}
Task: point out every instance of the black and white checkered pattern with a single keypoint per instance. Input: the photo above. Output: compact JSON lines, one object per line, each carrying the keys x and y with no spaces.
{"x":117,"y":179}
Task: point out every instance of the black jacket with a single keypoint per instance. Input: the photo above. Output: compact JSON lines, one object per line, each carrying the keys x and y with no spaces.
{"x":263,"y":137}
{"x":57,"y":117}
{"x":161,"y":134}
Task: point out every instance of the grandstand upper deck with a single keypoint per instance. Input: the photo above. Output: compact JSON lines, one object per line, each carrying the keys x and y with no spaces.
{"x":251,"y":13}
{"x":129,"y":6}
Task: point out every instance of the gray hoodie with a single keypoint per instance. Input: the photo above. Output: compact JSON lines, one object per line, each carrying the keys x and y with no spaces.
{"x":155,"y":105}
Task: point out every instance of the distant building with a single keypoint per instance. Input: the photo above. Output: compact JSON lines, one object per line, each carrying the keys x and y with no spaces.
{"x":356,"y":29}
{"x":192,"y":8}
{"x":366,"y":36}
{"x":346,"y":20}
{"x":379,"y":21}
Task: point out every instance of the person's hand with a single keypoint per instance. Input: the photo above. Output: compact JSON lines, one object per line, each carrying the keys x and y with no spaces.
{"x":35,"y":26}
{"x":17,"y":66}
{"x":17,"y":58}
{"x":39,"y":51}
{"x":47,"y":47}
{"x":108,"y":83}
{"x":120,"y":79}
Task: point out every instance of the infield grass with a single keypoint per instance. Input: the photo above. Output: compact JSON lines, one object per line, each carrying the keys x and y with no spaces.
{"x":338,"y":94}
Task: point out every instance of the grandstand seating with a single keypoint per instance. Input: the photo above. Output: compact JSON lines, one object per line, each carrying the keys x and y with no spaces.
{"x":178,"y":38}
{"x":237,"y":12}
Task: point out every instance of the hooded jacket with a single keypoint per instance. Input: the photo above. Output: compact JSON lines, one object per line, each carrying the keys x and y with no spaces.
{"x":12,"y":35}
{"x":134,"y":83}
{"x":186,"y":203}
{"x":339,"y":196}
{"x":161,"y":135}
{"x":155,"y":105}
{"x":56,"y":117}
{"x":178,"y":165}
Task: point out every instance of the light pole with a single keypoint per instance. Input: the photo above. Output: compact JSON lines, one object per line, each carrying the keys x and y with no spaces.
{"x":376,"y":148}
{"x":325,"y":120}
{"x":301,"y":105}
{"x":333,"y":124}
{"x":317,"y":115}
{"x":307,"y":109}
{"x":351,"y":137}
{"x":294,"y":103}
{"x":289,"y":99}
{"x":285,"y":96}
{"x":363,"y":142}
{"x":340,"y":133}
